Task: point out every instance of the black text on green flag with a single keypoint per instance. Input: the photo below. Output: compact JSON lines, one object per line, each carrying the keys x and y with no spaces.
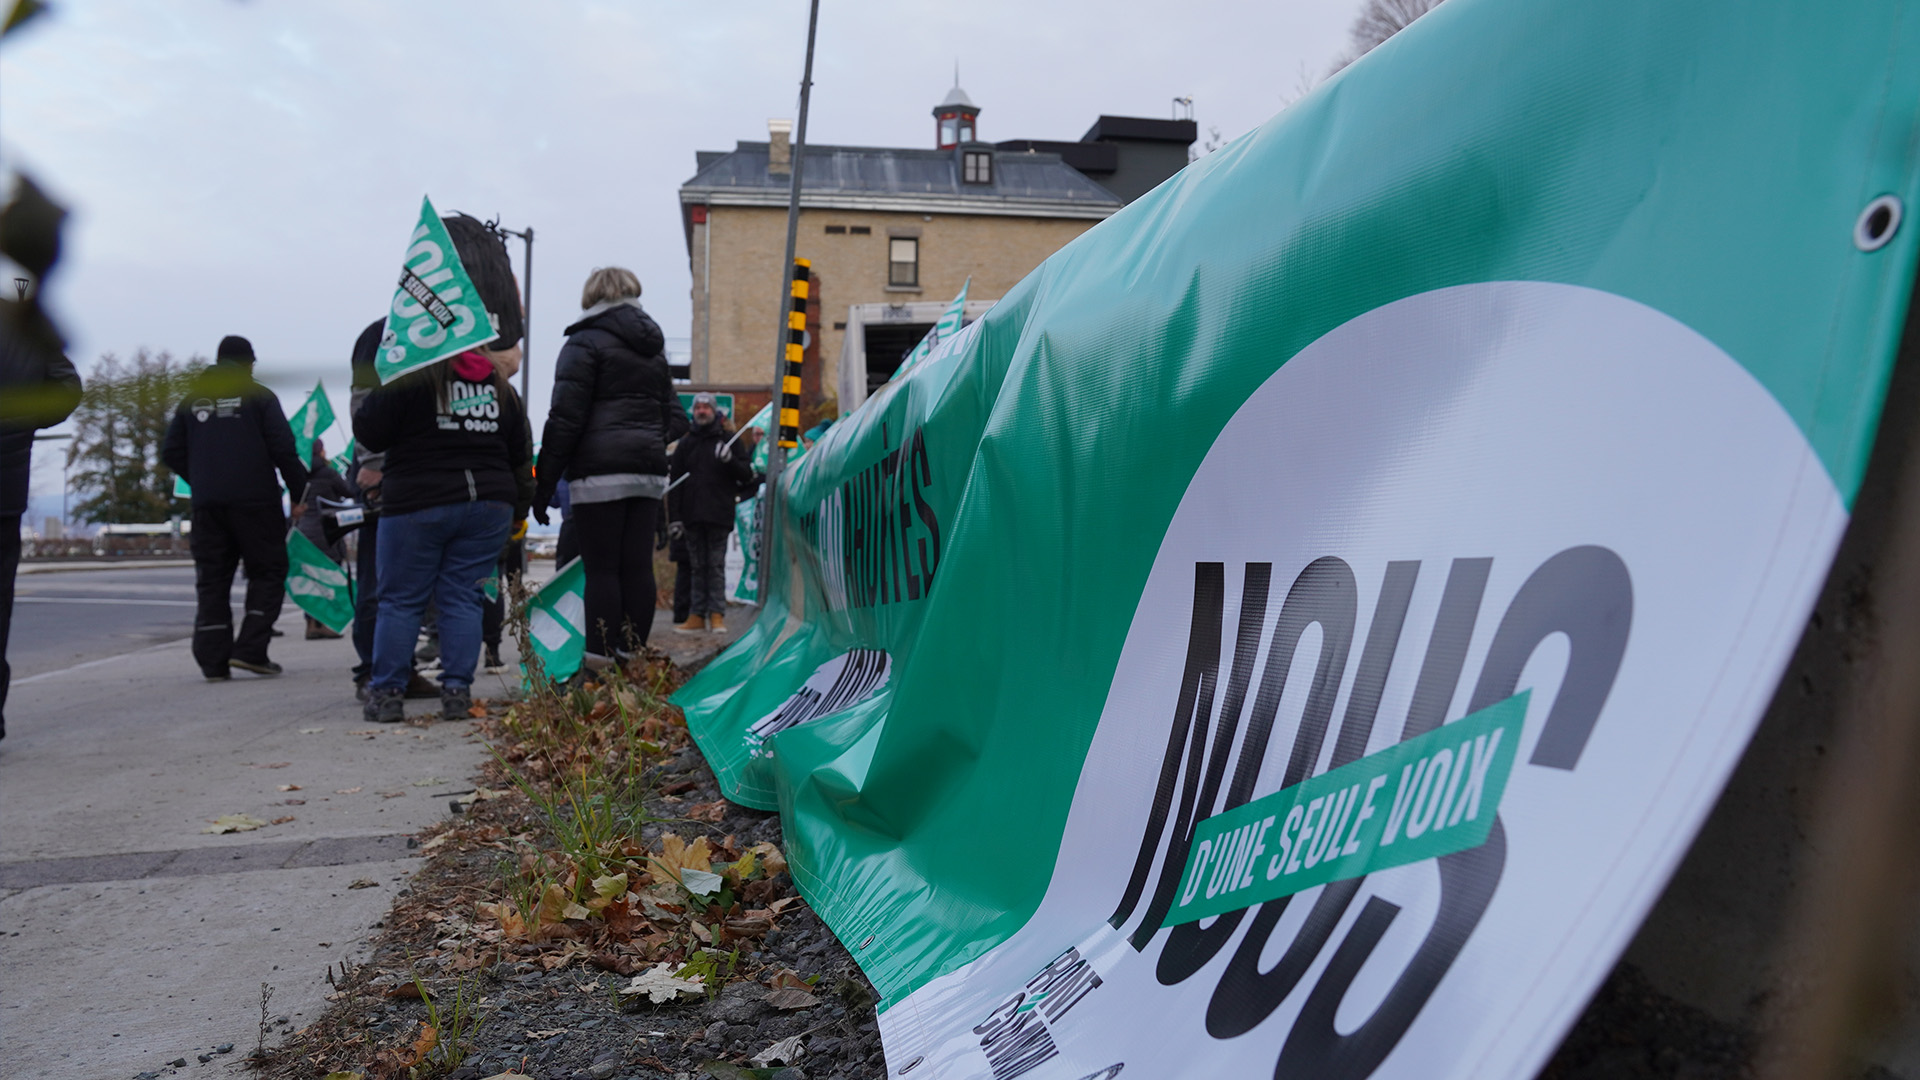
{"x":436,"y":312}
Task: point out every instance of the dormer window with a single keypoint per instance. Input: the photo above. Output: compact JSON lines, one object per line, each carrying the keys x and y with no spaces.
{"x":977,"y":167}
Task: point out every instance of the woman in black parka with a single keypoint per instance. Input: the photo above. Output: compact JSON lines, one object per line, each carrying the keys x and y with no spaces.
{"x":614,"y":411}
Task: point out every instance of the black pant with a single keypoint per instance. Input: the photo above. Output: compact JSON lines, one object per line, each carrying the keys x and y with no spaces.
{"x":707,"y":561}
{"x":223,"y":538}
{"x":616,"y":542}
{"x":9,"y":566}
{"x":366,"y":598}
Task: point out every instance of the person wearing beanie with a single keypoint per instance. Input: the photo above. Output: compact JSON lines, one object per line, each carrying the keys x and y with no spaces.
{"x":227,"y":439}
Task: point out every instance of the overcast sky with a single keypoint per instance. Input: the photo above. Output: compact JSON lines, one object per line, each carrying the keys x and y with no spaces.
{"x":255,"y":168}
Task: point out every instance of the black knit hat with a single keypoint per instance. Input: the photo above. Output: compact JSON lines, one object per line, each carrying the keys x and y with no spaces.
{"x":235,"y":348}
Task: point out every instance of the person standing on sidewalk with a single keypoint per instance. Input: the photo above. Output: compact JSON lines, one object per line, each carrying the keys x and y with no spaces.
{"x":226,"y":440}
{"x":38,"y":388}
{"x":454,"y":436}
{"x":455,"y":439}
{"x":700,"y":509}
{"x":613,"y":412}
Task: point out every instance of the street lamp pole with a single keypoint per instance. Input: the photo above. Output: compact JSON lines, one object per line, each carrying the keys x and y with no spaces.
{"x":777,"y":452}
{"x":526,"y":307}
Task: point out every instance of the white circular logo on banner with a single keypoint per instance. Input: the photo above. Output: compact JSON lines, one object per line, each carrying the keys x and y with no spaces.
{"x":1478,"y":491}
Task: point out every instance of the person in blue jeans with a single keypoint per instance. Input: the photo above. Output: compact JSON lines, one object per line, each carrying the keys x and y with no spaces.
{"x":454,"y":437}
{"x":456,"y":443}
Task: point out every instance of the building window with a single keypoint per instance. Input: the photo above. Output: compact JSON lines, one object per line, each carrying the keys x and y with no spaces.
{"x":860,"y":230}
{"x":836,"y":230}
{"x":903,"y":261}
{"x":977,"y":167}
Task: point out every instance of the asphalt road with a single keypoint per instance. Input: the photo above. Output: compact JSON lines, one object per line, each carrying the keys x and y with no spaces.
{"x":71,"y":617}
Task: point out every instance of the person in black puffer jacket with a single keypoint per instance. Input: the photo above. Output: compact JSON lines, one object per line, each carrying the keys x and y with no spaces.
{"x":613,"y":413}
{"x":455,"y":439}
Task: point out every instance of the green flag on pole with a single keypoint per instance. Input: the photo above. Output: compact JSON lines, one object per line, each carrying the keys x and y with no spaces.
{"x":343,"y":460}
{"x":745,"y":524}
{"x":557,"y":622}
{"x":951,"y":320}
{"x":317,"y":584}
{"x":436,"y":311}
{"x":311,"y":419}
{"x":180,"y":488}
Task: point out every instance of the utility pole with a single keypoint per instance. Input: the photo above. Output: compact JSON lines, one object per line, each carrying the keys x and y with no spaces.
{"x":526,"y":307}
{"x":777,"y":453}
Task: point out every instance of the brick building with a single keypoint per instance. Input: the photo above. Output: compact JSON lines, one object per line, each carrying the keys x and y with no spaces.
{"x":892,"y":234}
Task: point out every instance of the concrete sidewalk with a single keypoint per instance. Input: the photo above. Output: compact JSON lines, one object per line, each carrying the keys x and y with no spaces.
{"x":130,"y":937}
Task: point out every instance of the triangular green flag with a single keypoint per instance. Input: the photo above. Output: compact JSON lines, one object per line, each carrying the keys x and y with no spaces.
{"x":180,"y":488}
{"x":436,"y":311}
{"x":310,"y":420}
{"x":951,"y":320}
{"x":557,"y":622}
{"x":317,"y":584}
{"x":343,"y":460}
{"x":746,"y":527}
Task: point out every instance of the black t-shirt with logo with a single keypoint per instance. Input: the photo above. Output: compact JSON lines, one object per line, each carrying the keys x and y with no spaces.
{"x":447,"y":440}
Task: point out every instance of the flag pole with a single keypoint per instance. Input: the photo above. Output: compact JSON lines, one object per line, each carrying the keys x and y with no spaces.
{"x":777,"y":453}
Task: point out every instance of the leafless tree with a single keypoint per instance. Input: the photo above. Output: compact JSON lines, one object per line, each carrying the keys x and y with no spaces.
{"x":1379,"y":20}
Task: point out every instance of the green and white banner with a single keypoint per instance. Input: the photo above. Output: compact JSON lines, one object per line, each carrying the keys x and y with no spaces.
{"x":317,"y":584}
{"x":436,"y":312}
{"x":557,"y":622}
{"x":1444,"y":470}
{"x":746,"y":533}
{"x":342,"y":462}
{"x":310,"y":421}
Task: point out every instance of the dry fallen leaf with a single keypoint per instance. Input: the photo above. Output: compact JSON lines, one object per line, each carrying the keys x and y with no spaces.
{"x":660,"y":986}
{"x":711,"y":811}
{"x":787,"y":1052}
{"x":273,"y":765}
{"x":347,"y":791}
{"x":281,"y":820}
{"x":227,"y":823}
{"x":787,"y":977}
{"x":313,"y":731}
{"x":548,"y":1034}
{"x":293,"y":802}
{"x":364,"y":883}
{"x":289,"y":787}
{"x":788,"y":998}
{"x":429,"y":781}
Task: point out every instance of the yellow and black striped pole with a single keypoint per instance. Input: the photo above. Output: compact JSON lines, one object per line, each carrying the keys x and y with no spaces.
{"x":796,"y":354}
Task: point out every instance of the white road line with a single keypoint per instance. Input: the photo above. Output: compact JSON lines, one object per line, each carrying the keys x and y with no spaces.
{"x":181,"y":643}
{"x":101,"y":600}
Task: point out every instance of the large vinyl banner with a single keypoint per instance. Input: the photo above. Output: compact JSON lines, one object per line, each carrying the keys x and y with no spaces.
{"x":1299,"y":629}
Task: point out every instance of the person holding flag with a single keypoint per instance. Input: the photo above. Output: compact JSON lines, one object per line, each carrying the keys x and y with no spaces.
{"x":324,"y":482}
{"x":227,"y":438}
{"x":454,"y":435}
{"x":715,"y":472}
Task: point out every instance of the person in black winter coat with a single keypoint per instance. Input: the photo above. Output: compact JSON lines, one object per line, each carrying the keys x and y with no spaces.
{"x":716,"y":467}
{"x":38,"y":388}
{"x":614,"y":410}
{"x":226,"y":440}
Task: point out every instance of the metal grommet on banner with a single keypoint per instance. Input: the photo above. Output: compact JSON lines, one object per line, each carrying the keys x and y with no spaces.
{"x":867,"y":942}
{"x":911,"y":1065}
{"x":1877,"y":223}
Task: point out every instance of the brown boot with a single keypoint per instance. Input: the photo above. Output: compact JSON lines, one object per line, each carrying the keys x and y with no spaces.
{"x":716,"y":622}
{"x":694,"y":622}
